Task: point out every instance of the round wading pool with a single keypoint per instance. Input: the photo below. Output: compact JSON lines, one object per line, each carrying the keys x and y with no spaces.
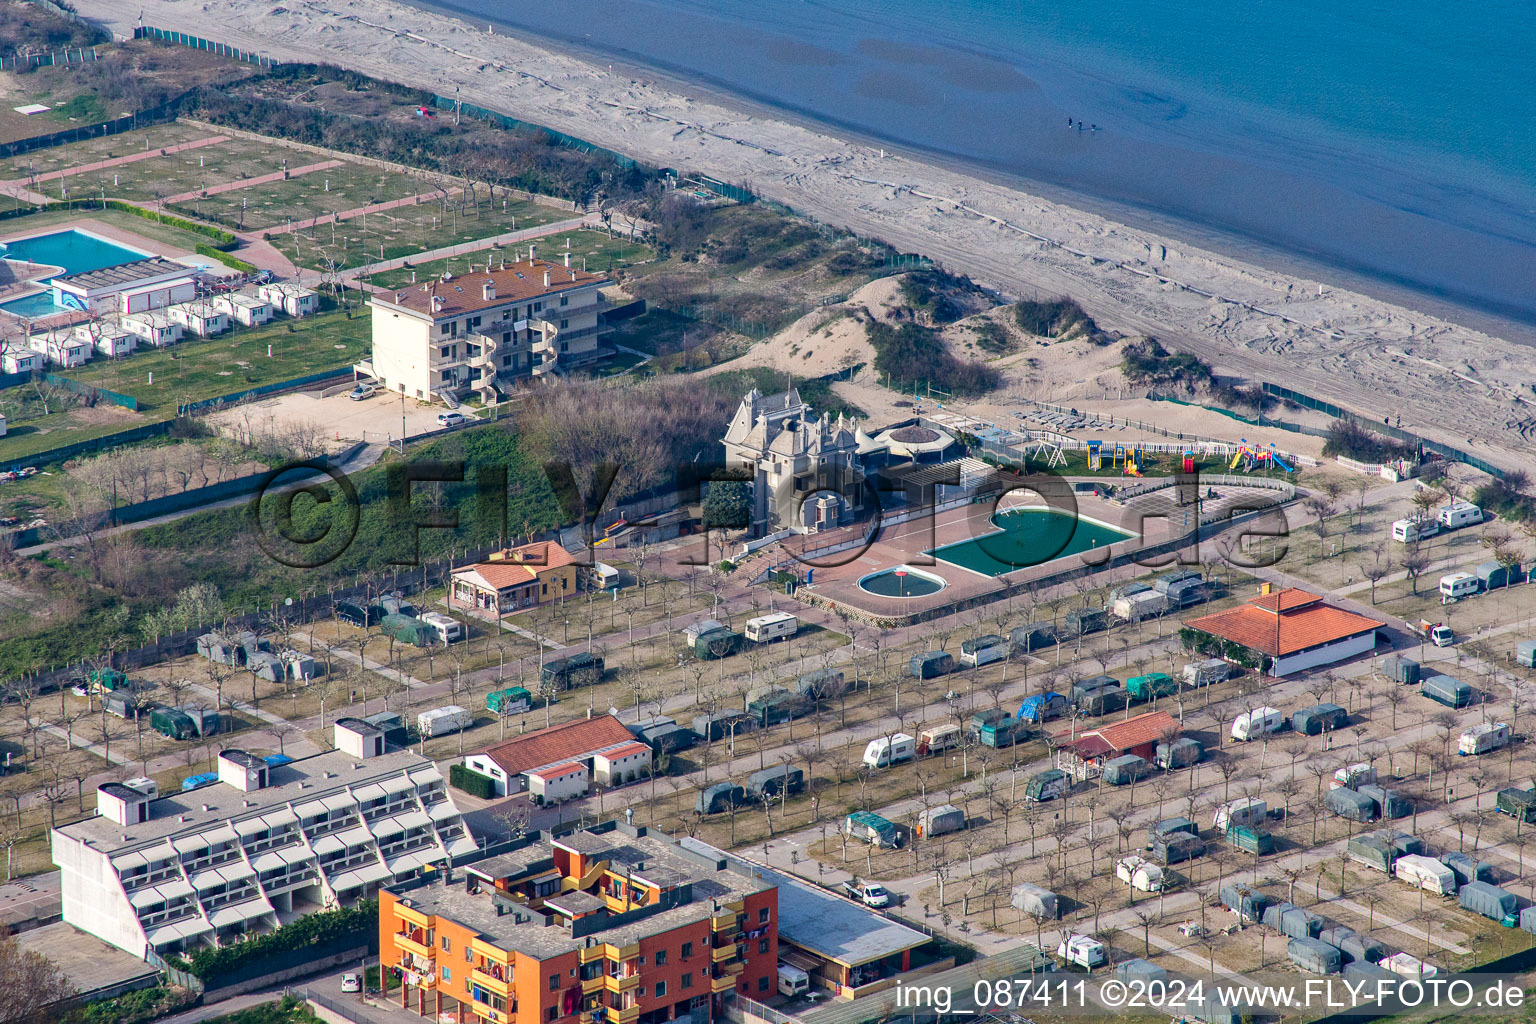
{"x":902,"y":581}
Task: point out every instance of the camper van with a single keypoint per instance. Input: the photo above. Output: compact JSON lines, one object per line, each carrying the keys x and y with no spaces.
{"x":793,"y":981}
{"x":1047,"y":785}
{"x":1244,"y":812}
{"x":446,"y":629}
{"x":1458,"y":514}
{"x":1409,"y":531}
{"x":889,"y":750}
{"x":766,"y":628}
{"x":1458,"y":585}
{"x":1426,"y":873}
{"x":1258,"y":723}
{"x":983,"y":650}
{"x":600,"y":576}
{"x":1483,"y":738}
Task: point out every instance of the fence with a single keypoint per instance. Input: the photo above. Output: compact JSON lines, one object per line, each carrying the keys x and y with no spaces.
{"x":64,"y":453}
{"x":197,"y":43}
{"x":1445,"y":450}
{"x":82,"y":55}
{"x":335,"y":1006}
{"x":174,"y":975}
{"x":204,"y":405}
{"x":512,"y":123}
{"x":115,"y":397}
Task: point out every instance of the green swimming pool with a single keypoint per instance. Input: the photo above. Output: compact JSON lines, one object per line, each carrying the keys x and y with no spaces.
{"x":1028,"y":536}
{"x":902,"y":581}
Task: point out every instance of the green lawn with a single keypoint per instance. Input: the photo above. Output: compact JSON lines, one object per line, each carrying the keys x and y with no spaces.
{"x":149,"y":180}
{"x":408,"y":230}
{"x":92,"y":150}
{"x":319,"y":193}
{"x":600,"y":252}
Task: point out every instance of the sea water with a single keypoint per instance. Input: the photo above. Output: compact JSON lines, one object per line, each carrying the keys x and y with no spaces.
{"x":1392,"y":140}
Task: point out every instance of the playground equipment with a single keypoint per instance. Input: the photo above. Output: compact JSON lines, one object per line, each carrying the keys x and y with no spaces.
{"x":1050,"y":451}
{"x":1095,"y":455}
{"x":1252,"y":456}
{"x":1130,"y":458}
{"x":1189,"y":462}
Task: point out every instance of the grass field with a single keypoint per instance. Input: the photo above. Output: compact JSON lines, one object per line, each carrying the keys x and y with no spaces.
{"x":146,"y":181}
{"x":407,"y":230}
{"x":600,"y":252}
{"x":319,"y":193}
{"x":92,"y":150}
{"x":194,"y":370}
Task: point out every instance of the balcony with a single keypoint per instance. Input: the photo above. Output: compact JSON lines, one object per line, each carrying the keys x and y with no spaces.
{"x":723,"y":923}
{"x":734,"y":968}
{"x":725,"y":984}
{"x":488,"y":1012}
{"x":722,"y":953}
{"x":628,"y":1015}
{"x":491,"y":983}
{"x":592,"y":985}
{"x":410,"y":945}
{"x":587,"y":954}
{"x":622,"y":984}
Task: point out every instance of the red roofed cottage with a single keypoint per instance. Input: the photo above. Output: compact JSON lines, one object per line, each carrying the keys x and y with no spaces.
{"x":1290,"y":630}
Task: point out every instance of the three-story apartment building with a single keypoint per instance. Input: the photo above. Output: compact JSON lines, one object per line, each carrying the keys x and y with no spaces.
{"x":482,"y":331}
{"x":606,"y":926}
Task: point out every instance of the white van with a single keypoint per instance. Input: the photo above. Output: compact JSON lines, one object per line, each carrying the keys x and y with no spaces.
{"x":1260,"y":722}
{"x":1483,"y":738}
{"x":771,"y":627}
{"x":1083,"y":951}
{"x":1426,"y":873}
{"x":1244,"y":812}
{"x":889,"y":750}
{"x":1353,"y":776}
{"x":448,"y":629}
{"x":938,"y":738}
{"x":1407,"y":531}
{"x":793,"y":981}
{"x":1458,"y":585}
{"x":600,"y":576}
{"x":1458,"y":514}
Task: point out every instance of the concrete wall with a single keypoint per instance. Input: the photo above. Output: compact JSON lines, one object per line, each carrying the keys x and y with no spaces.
{"x":92,"y":897}
{"x":1325,"y":655}
{"x":351,"y":957}
{"x":485,"y":766}
{"x":401,"y":352}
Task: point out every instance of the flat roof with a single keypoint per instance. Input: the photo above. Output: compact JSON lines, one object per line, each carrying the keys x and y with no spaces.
{"x":823,"y":923}
{"x":297,"y":782}
{"x":125,"y":274}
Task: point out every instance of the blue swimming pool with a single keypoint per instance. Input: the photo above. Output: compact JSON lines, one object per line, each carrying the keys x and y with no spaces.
{"x":74,"y":250}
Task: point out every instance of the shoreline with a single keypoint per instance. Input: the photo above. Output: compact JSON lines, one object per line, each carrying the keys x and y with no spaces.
{"x":1447,"y":381}
{"x":1222,"y":242}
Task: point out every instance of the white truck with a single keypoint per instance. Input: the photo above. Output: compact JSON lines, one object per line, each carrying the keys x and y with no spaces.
{"x":444,"y":720}
{"x":793,"y":981}
{"x":871,"y":894}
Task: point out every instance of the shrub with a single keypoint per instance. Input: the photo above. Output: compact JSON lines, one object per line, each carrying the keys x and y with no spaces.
{"x":145,"y":1004}
{"x":1507,"y":497}
{"x":1147,"y":363}
{"x":1351,"y":440}
{"x":1058,"y":318}
{"x":911,"y":356}
{"x":472,"y":782}
{"x":324,"y":928}
{"x":225,"y":258}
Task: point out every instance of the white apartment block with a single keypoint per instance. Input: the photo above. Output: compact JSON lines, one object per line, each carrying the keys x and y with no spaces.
{"x":481,"y":331}
{"x":259,"y":848}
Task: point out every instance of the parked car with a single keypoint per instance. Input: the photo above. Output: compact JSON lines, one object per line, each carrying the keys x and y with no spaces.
{"x":351,"y":982}
{"x":451,"y":419}
{"x":871,"y":894}
{"x":362,"y":391}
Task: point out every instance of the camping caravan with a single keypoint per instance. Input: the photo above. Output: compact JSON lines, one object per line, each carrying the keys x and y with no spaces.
{"x":768,"y":628}
{"x":1425,"y":873}
{"x":888,"y":750}
{"x":930,"y":664}
{"x":172,"y":724}
{"x":1185,"y":592}
{"x":1106,"y":701}
{"x":443,"y":720}
{"x":780,"y":780}
{"x":299,"y":667}
{"x":1082,"y":951}
{"x":1292,"y":921}
{"x":1047,"y":785}
{"x":1525,"y":653}
{"x":1144,"y":973}
{"x":1032,"y":637}
{"x":1207,"y":672}
{"x":600,"y":576}
{"x":1251,"y":839}
{"x":1517,"y":803}
{"x":718,"y":643}
{"x":1407,"y":965}
{"x":723,"y":724}
{"x":1258,"y":723}
{"x":1411,"y":531}
{"x":1356,"y":948}
{"x":1084,"y":621}
{"x":1489,"y":900}
{"x":1457,"y":585}
{"x":821,"y":684}
{"x":1043,"y":707}
{"x":1153,"y":684}
{"x":1389,"y":802}
{"x":693,"y":631}
{"x":1240,"y":813}
{"x":1143,"y":605}
{"x":1245,"y":901}
{"x":1003,"y":732}
{"x":1176,"y":848}
{"x":872,"y":829}
{"x":1319,"y":718}
{"x":1181,"y":753}
{"x":510,"y":701}
{"x":722,"y":796}
{"x":443,"y":629}
{"x":581,"y":669}
{"x":1353,"y":776}
{"x":1442,"y":689}
{"x":1400,"y":669}
{"x":1125,"y":769}
{"x":793,"y":981}
{"x":1347,"y":803}
{"x":1315,"y":956}
{"x":1493,"y":575}
{"x":1035,"y":901}
{"x":218,"y":648}
{"x":938,"y":821}
{"x":264,"y":665}
{"x":776,"y":706}
{"x":1483,"y":738}
{"x":1140,"y":874}
{"x":937,"y":738}
{"x":1458,"y":514}
{"x":983,"y":650}
{"x":1168,"y":827}
{"x":1086,"y":688}
{"x":1466,"y":868}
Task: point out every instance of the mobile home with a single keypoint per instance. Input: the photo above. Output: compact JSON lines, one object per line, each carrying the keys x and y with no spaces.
{"x":1425,"y":873}
{"x":1258,"y":723}
{"x":1457,"y":585}
{"x":1240,"y":813}
{"x":767,"y":628}
{"x":1458,"y":514}
{"x":1410,"y":531}
{"x":889,"y":750}
{"x":937,"y":738}
{"x":246,"y":310}
{"x":983,"y":650}
{"x":930,"y":665}
{"x":1444,"y":690}
{"x":1483,"y":738}
{"x":443,"y":720}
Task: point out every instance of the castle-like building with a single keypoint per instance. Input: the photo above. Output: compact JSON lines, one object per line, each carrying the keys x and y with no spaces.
{"x":804,"y":468}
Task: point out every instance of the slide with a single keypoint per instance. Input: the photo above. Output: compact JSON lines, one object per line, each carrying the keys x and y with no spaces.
{"x":1275,"y":458}
{"x":1236,"y":459}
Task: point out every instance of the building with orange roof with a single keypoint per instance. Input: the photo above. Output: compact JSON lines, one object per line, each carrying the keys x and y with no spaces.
{"x":1283,"y":632}
{"x":1081,"y":753}
{"x":601,"y":746}
{"x":484,"y":330}
{"x":513,"y":579}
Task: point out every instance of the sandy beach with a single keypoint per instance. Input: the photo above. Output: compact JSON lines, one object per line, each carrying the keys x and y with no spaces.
{"x":1446,"y":381}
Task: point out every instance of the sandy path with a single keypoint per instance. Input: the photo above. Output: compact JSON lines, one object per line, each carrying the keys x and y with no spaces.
{"x":1449,"y":382}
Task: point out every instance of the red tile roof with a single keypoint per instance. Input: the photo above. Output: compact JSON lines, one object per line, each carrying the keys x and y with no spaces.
{"x":624,"y":751}
{"x":557,"y":744}
{"x":558,"y":770}
{"x":516,"y":282}
{"x":1150,"y":727}
{"x":518,"y":565}
{"x":1302,"y":622}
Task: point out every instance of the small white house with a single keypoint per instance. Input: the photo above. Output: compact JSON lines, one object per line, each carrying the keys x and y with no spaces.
{"x":110,"y":340}
{"x":244,"y":309}
{"x":66,"y":352}
{"x":557,"y":783}
{"x":358,"y":738}
{"x":621,"y":764}
{"x":20,"y":361}
{"x":201,"y":318}
{"x":292,"y":299}
{"x":155,"y":329}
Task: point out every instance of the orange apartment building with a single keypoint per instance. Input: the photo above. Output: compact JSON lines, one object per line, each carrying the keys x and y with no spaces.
{"x":606,"y":926}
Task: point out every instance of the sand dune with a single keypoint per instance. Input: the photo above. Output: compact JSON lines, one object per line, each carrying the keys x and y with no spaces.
{"x":1449,"y":382}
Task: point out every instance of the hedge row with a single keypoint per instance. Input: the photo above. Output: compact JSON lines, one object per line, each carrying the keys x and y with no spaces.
{"x":325,"y":927}
{"x":222,"y":239}
{"x":225,"y":258}
{"x":471,"y":782}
